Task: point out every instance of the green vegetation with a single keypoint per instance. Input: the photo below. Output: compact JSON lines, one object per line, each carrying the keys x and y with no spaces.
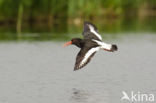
{"x":23,"y":16}
{"x":49,"y":10}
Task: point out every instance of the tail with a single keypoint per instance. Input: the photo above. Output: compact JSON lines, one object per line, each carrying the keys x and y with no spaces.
{"x":114,"y":48}
{"x":111,"y":48}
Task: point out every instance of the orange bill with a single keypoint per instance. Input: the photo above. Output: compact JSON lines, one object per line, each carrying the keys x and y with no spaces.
{"x":67,"y":43}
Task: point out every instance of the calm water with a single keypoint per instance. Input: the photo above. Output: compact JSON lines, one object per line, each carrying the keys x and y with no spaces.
{"x":42,"y":72}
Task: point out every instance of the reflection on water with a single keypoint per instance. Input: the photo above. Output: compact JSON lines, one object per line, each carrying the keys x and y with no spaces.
{"x":88,"y":96}
{"x":80,"y":95}
{"x":42,"y":72}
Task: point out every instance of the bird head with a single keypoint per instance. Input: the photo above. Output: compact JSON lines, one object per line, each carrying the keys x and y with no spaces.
{"x":75,"y":41}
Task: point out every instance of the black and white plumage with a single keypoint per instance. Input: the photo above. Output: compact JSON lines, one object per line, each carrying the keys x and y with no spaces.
{"x":90,"y":32}
{"x":91,"y":43}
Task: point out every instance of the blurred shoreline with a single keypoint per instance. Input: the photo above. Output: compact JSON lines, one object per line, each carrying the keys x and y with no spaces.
{"x":59,"y":19}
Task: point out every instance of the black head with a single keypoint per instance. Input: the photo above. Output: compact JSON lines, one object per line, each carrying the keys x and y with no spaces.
{"x":75,"y":41}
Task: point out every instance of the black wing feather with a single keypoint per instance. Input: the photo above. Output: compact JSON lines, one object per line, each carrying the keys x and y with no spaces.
{"x":80,"y":57}
{"x":87,"y":34}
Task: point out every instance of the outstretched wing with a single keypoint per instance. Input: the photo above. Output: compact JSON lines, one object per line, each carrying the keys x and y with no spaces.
{"x":90,"y":31}
{"x":84,"y":57}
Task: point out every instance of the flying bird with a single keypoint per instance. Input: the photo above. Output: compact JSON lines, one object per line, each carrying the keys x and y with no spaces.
{"x":89,"y":45}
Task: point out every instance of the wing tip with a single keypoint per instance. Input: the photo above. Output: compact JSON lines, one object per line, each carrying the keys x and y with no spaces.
{"x":77,"y":68}
{"x":89,"y":23}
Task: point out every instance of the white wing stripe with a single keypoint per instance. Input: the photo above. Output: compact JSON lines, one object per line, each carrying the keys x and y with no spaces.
{"x":94,"y":32}
{"x":88,"y":54}
{"x":103,"y":45}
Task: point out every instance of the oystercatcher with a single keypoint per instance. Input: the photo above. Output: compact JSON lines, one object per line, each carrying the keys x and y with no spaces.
{"x":91,"y":43}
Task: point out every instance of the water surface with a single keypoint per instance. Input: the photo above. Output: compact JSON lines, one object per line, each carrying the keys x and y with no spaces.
{"x":42,"y":72}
